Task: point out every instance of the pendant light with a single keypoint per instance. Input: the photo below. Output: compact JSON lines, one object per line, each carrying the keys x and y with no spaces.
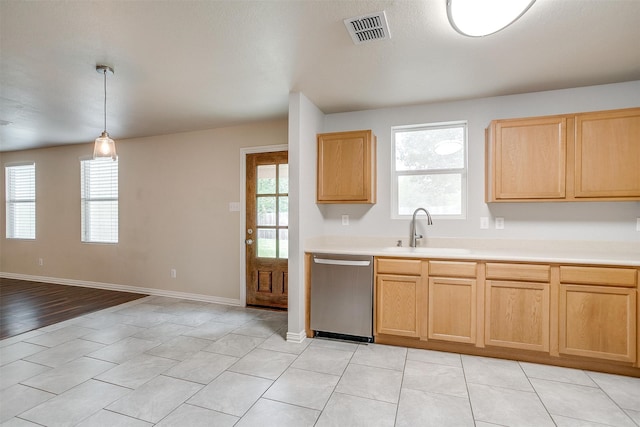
{"x":105,"y":146}
{"x":478,"y":18}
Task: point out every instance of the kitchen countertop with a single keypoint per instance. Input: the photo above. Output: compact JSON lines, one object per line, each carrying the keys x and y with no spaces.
{"x":548,"y":251}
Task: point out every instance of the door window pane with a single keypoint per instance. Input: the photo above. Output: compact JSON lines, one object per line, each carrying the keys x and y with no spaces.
{"x":283,"y":179}
{"x":266,"y":179}
{"x":266,"y":210}
{"x":283,"y":211}
{"x":284,"y":244}
{"x":266,"y":241}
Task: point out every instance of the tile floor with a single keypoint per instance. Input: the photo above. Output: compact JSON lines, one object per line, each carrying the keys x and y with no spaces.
{"x":168,"y":362}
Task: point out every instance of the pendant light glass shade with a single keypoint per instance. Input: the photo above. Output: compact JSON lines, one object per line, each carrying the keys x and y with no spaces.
{"x":477,"y":18}
{"x":104,"y":146}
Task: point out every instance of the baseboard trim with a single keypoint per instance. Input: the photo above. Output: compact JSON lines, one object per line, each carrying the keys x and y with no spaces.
{"x":296,"y":337}
{"x":123,"y":288}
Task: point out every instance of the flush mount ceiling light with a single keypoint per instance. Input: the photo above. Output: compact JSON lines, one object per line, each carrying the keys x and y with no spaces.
{"x":477,"y":18}
{"x":105,"y":146}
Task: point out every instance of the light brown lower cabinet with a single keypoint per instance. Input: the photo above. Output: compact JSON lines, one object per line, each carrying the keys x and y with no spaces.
{"x":517,"y":306}
{"x":598,"y":321}
{"x":571,"y":315}
{"x":452,"y":310}
{"x":397,"y":305}
{"x":517,"y":315}
{"x":598,"y":312}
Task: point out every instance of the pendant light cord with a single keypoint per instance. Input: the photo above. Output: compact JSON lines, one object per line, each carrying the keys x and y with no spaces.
{"x":105,"y":99}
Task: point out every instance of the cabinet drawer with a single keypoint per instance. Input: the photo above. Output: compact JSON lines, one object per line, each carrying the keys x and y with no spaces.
{"x":526,"y":272}
{"x":452,"y":268}
{"x":412,"y":267}
{"x":599,"y":276}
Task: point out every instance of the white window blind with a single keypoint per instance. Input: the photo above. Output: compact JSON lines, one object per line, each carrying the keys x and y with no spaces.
{"x":99,"y":199}
{"x":20,"y":181}
{"x":430,"y":169}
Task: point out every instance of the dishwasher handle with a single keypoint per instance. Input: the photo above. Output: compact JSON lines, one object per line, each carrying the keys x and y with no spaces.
{"x":328,"y":261}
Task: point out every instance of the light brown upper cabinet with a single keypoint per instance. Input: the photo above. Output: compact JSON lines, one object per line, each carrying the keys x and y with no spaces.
{"x":574,"y":157}
{"x":346,"y":167}
{"x":608,"y":154}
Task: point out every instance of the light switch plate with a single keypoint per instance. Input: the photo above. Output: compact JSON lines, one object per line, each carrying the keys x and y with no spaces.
{"x":234,"y":206}
{"x":499,"y":223}
{"x":345,"y":219}
{"x":637,"y":224}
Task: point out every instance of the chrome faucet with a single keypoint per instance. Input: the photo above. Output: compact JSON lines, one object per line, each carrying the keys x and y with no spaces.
{"x":414,"y":236}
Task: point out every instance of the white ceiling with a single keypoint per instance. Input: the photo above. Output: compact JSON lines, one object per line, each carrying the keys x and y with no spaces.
{"x":190,"y":65}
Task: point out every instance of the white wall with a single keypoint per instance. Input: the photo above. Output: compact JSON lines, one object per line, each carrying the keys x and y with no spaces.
{"x":615,"y":221}
{"x":305,"y":220}
{"x":174,"y":213}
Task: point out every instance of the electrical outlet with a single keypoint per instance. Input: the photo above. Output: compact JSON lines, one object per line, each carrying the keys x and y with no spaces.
{"x":174,"y":273}
{"x":40,"y":262}
{"x":637,"y":224}
{"x":484,"y":222}
{"x":499,"y":223}
{"x":345,"y":219}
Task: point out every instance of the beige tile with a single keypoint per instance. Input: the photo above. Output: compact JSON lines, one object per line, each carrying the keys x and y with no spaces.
{"x":193,"y":416}
{"x":268,"y":413}
{"x":437,"y":357}
{"x":136,"y":371}
{"x":580,"y":402}
{"x":625,"y":391}
{"x":277,"y":342}
{"x":432,"y":409}
{"x":324,"y":360}
{"x":495,"y":372}
{"x":371,"y":383}
{"x":303,"y":388}
{"x":19,"y":398}
{"x":65,"y":353}
{"x":123,"y":350}
{"x":202,"y":367}
{"x":155,"y":399}
{"x":17,"y":351}
{"x":111,"y":419}
{"x":234,"y":345}
{"x":380,"y":356}
{"x":179,"y":348}
{"x":353,"y":411}
{"x":557,"y":373}
{"x":508,"y":407}
{"x":18,"y":371}
{"x":264,"y":363}
{"x":433,"y":378}
{"x":69,"y":375}
{"x":75,"y":405}
{"x":231,"y":393}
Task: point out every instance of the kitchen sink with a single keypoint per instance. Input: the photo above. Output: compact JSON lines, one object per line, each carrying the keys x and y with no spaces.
{"x":427,"y":250}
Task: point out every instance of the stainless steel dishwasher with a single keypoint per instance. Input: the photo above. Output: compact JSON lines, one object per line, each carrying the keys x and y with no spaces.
{"x":342,"y":296}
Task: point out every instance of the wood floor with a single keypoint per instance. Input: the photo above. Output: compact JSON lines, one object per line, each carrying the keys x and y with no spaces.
{"x":25,"y":305}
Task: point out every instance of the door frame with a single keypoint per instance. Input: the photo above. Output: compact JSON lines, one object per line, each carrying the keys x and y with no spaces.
{"x":243,"y":209}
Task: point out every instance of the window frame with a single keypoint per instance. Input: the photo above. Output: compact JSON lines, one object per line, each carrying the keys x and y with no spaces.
{"x":463,"y":172}
{"x":8,"y":202}
{"x":85,"y":222}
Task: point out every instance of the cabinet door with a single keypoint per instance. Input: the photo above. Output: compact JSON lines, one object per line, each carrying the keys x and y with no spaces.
{"x":607,"y":154}
{"x":452,"y":309}
{"x":528,"y":159}
{"x":517,"y":315}
{"x":346,"y":167}
{"x":397,"y":305}
{"x":598,"y":321}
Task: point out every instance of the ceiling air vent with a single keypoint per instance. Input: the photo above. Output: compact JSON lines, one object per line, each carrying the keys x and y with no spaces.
{"x":368,"y":27}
